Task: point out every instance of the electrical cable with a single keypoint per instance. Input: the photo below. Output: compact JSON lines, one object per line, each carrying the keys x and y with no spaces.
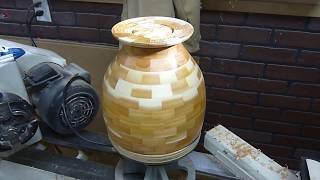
{"x":30,"y":19}
{"x":30,"y":8}
{"x":29,"y":31}
{"x":67,"y":118}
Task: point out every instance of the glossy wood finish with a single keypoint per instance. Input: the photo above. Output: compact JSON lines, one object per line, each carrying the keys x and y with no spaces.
{"x":154,"y":100}
{"x":152,"y":32}
{"x":156,"y":159}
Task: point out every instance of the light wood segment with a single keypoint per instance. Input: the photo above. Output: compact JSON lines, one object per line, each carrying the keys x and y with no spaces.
{"x":156,"y":159}
{"x":154,"y":60}
{"x":182,"y":73}
{"x":140,"y":93}
{"x":150,"y":79}
{"x":179,"y":86}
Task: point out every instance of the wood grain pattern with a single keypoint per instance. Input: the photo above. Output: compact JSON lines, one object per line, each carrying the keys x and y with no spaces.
{"x":154,"y":100}
{"x":152,"y":32}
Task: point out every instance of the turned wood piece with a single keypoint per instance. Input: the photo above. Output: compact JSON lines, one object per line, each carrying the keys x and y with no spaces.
{"x":153,"y":91}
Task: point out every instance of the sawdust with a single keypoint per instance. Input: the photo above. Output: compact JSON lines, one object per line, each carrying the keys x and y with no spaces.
{"x":284,"y":172}
{"x":241,"y":149}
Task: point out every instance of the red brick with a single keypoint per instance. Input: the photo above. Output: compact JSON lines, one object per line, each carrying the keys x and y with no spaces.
{"x":268,"y":54}
{"x":275,"y":150}
{"x":208,"y":31}
{"x":106,"y":37}
{"x":243,"y":34}
{"x":316,"y":105}
{"x":219,"y":80}
{"x":237,"y":67}
{"x":50,"y":32}
{"x":295,"y":141}
{"x":97,"y":20}
{"x":212,"y":49}
{"x":232,"y":95}
{"x":284,"y":101}
{"x":277,"y":21}
{"x":306,"y":118}
{"x":236,"y":18}
{"x":253,"y":136}
{"x":88,"y":20}
{"x":307,"y":90}
{"x":108,"y":21}
{"x":277,"y":127}
{"x":228,"y":120}
{"x":311,"y":131}
{"x":86,"y":7}
{"x":79,"y":34}
{"x":209,"y":17}
{"x":262,"y":85}
{"x":309,"y":58}
{"x":11,"y":29}
{"x":214,"y":106}
{"x":13,"y":15}
{"x":243,"y":110}
{"x":297,"y":39}
{"x":256,"y":111}
{"x":63,"y":18}
{"x":306,"y":153}
{"x":214,"y":17}
{"x":314,"y":24}
{"x":35,"y":22}
{"x":7,"y":4}
{"x":204,"y":63}
{"x":267,"y":113}
{"x":294,"y":73}
{"x":22,"y":3}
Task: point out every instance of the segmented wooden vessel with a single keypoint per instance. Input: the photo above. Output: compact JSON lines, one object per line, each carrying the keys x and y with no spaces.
{"x":154,"y":92}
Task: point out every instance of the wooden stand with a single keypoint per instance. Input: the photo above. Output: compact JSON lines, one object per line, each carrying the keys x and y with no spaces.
{"x":157,"y":159}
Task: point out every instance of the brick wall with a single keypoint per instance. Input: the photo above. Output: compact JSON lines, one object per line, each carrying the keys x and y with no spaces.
{"x":85,"y":22}
{"x":261,"y":71}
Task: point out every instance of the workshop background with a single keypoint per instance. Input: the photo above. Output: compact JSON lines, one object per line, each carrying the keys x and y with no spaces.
{"x":261,"y":71}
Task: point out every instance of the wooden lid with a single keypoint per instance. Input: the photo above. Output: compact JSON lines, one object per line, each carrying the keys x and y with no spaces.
{"x":152,"y":32}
